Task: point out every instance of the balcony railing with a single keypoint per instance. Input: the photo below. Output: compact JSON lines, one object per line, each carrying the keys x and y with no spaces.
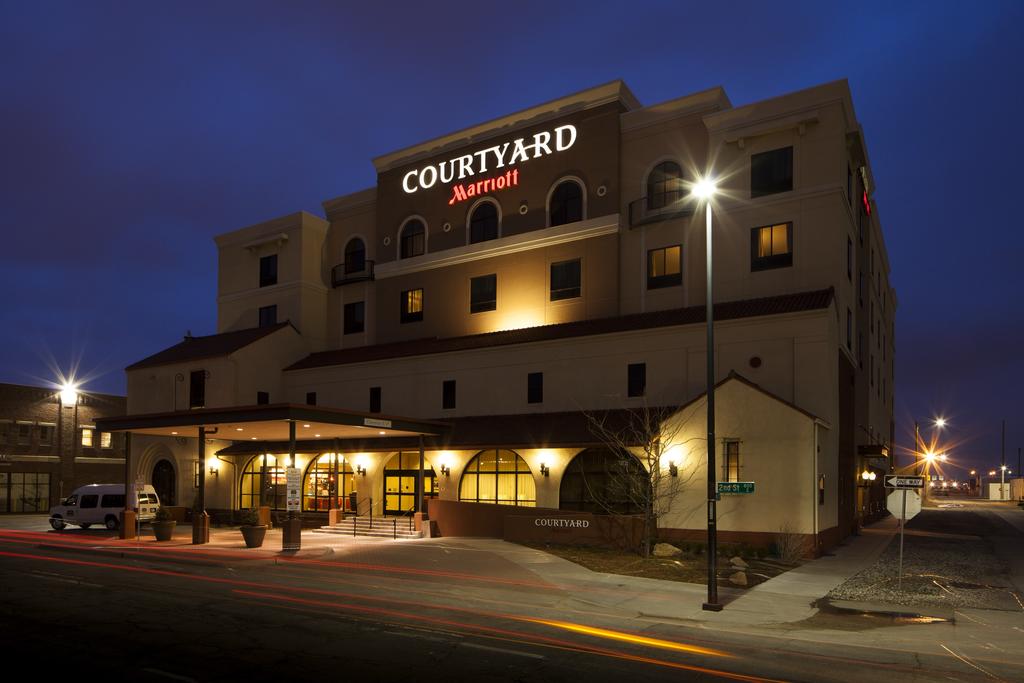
{"x":640,"y":214}
{"x":342,"y":275}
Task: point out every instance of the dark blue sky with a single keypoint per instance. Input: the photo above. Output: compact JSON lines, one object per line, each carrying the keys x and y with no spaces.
{"x":132,"y":133}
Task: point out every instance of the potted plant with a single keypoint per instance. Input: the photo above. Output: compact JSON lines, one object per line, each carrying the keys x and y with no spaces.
{"x":252,"y":531}
{"x":163,"y":524}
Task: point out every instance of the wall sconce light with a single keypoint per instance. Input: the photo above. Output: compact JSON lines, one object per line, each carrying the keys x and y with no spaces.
{"x":446,"y":471}
{"x":673,"y":469}
{"x":214,"y":472}
{"x":867,"y":475}
{"x":361,"y":470}
{"x":545,"y":470}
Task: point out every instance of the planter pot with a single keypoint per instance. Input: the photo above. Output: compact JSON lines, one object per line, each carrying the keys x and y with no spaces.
{"x":164,"y":531}
{"x":253,"y":535}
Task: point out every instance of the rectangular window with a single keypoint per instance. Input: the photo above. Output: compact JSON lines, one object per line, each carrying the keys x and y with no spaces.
{"x":106,"y":440}
{"x":849,"y":186}
{"x":849,"y":329}
{"x":565,"y":280}
{"x":24,"y":433}
{"x":636,"y":379}
{"x":112,"y":500}
{"x":860,"y":350}
{"x":731,"y":461}
{"x":87,"y":438}
{"x":268,"y":316}
{"x":664,"y":267}
{"x":374,"y":399}
{"x":89,"y":501}
{"x":46,"y":435}
{"x":268,"y":270}
{"x":412,"y":306}
{"x":197,"y":389}
{"x":310,"y":398}
{"x":483,"y":293}
{"x":448,"y":394}
{"x":355,"y":317}
{"x":860,"y":288}
{"x":849,"y":259}
{"x":535,"y":387}
{"x":771,"y":246}
{"x":771,"y":172}
{"x":262,"y":398}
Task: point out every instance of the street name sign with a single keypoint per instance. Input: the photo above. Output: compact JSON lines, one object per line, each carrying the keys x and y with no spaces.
{"x":904,"y":481}
{"x":735,"y":487}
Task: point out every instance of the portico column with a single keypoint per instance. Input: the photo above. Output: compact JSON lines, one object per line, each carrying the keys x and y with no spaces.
{"x":200,"y":520}
{"x":419,"y":489}
{"x":128,"y":514}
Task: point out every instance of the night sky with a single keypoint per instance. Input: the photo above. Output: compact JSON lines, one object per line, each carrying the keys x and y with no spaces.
{"x":132,"y":133}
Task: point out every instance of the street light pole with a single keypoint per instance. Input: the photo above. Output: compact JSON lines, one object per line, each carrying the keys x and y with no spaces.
{"x":705,"y":190}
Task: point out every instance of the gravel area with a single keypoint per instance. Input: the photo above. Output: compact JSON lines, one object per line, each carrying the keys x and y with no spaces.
{"x":936,"y":571}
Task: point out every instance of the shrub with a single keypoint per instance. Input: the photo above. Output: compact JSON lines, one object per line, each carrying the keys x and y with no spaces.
{"x":163,"y":515}
{"x":250,"y":517}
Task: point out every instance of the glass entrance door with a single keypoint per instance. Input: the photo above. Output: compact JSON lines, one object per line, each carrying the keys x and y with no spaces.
{"x":401,"y":483}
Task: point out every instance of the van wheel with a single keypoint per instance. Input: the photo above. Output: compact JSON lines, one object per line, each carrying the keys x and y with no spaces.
{"x":85,"y":526}
{"x":111,"y":522}
{"x":57,"y":522}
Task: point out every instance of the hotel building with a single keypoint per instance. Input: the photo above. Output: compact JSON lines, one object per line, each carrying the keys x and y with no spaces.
{"x":502,"y":285}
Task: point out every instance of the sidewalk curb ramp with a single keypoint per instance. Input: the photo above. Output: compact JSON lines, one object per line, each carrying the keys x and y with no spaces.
{"x":898,"y":613}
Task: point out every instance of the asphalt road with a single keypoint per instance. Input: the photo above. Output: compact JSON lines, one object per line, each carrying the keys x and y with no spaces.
{"x":106,"y":617}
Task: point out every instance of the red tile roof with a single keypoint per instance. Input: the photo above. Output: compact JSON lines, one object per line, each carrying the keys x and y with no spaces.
{"x":210,"y":346}
{"x":730,"y":310}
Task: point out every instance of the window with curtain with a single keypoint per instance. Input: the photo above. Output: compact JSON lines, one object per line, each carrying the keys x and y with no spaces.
{"x":498,"y":476}
{"x":664,"y":185}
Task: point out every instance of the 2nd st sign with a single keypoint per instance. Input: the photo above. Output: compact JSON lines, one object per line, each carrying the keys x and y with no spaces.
{"x":735,"y":487}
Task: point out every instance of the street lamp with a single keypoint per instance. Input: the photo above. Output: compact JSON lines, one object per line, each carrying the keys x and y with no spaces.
{"x":1002,"y":482}
{"x":704,"y":190}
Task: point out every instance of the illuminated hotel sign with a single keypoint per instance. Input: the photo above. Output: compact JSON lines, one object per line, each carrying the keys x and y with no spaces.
{"x":496,"y":157}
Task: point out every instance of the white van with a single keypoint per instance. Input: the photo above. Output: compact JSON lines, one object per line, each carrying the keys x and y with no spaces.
{"x":101,"y":504}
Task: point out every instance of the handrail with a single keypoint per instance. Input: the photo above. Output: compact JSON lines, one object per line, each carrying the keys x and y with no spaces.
{"x":342,"y":276}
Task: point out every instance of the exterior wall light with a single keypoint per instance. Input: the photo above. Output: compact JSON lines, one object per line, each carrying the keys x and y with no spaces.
{"x":673,"y":469}
{"x":545,"y":470}
{"x":446,"y":471}
{"x":214,"y":472}
{"x":361,"y":470}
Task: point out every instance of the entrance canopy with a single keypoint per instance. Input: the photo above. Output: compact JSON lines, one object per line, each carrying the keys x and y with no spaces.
{"x":272,"y":423}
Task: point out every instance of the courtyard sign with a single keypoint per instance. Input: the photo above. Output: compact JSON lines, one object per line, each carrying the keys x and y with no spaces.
{"x":562,"y":522}
{"x":499,"y":156}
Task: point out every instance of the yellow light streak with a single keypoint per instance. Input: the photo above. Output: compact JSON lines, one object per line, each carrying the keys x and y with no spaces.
{"x":631,"y":638}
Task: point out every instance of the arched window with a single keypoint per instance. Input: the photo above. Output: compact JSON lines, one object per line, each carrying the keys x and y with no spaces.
{"x":402,"y":480}
{"x":498,"y":476}
{"x":414,"y":239}
{"x":602,"y":481}
{"x":566,"y":205}
{"x":329,"y":480}
{"x":355,"y":256}
{"x":263,"y":483}
{"x":483,"y":223}
{"x":664,"y":185}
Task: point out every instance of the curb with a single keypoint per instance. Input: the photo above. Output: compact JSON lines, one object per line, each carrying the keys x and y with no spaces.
{"x":132,"y":554}
{"x":924,"y":613}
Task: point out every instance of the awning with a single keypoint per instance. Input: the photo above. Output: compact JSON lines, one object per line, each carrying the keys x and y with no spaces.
{"x":272,"y":423}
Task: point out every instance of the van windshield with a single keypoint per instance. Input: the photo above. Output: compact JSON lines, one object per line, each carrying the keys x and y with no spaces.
{"x":70,"y":501}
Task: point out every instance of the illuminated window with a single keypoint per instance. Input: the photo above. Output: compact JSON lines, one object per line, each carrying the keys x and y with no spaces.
{"x":264,"y":482}
{"x":731,"y":461}
{"x":664,"y":267}
{"x":771,"y":246}
{"x":354,"y":317}
{"x":414,"y":239}
{"x":566,"y":205}
{"x":565,"y":280}
{"x":771,"y":172}
{"x":483,"y":293}
{"x":268,"y":270}
{"x":355,"y":256}
{"x":106,"y":440}
{"x":664,"y":185}
{"x":483,"y":223}
{"x":498,"y":476}
{"x":87,"y":438}
{"x":412,"y":305}
{"x":328,"y":482}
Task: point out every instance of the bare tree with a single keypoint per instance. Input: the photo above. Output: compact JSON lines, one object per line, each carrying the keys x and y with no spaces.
{"x":644,"y":478}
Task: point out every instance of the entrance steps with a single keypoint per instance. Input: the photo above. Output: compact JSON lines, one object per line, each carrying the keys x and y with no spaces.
{"x":386,"y":527}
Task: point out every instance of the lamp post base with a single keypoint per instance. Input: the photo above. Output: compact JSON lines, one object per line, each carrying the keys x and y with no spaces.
{"x":712,"y":606}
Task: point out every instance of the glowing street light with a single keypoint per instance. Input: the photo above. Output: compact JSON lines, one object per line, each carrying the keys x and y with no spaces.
{"x":69,"y":393}
{"x":704,"y":190}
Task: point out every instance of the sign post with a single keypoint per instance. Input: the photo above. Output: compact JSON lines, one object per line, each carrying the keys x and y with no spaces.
{"x":901,"y":484}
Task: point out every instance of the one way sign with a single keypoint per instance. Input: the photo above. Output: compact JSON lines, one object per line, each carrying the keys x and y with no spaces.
{"x":904,"y":481}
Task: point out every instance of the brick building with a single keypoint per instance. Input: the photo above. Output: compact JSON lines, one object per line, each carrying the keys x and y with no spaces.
{"x":48,"y":448}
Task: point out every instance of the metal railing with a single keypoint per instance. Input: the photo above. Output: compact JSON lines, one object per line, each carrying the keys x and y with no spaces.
{"x":641,"y":214}
{"x":340,"y":275}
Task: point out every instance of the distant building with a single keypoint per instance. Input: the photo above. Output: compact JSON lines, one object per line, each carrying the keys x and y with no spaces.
{"x":47,"y":448}
{"x":511,"y":278}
